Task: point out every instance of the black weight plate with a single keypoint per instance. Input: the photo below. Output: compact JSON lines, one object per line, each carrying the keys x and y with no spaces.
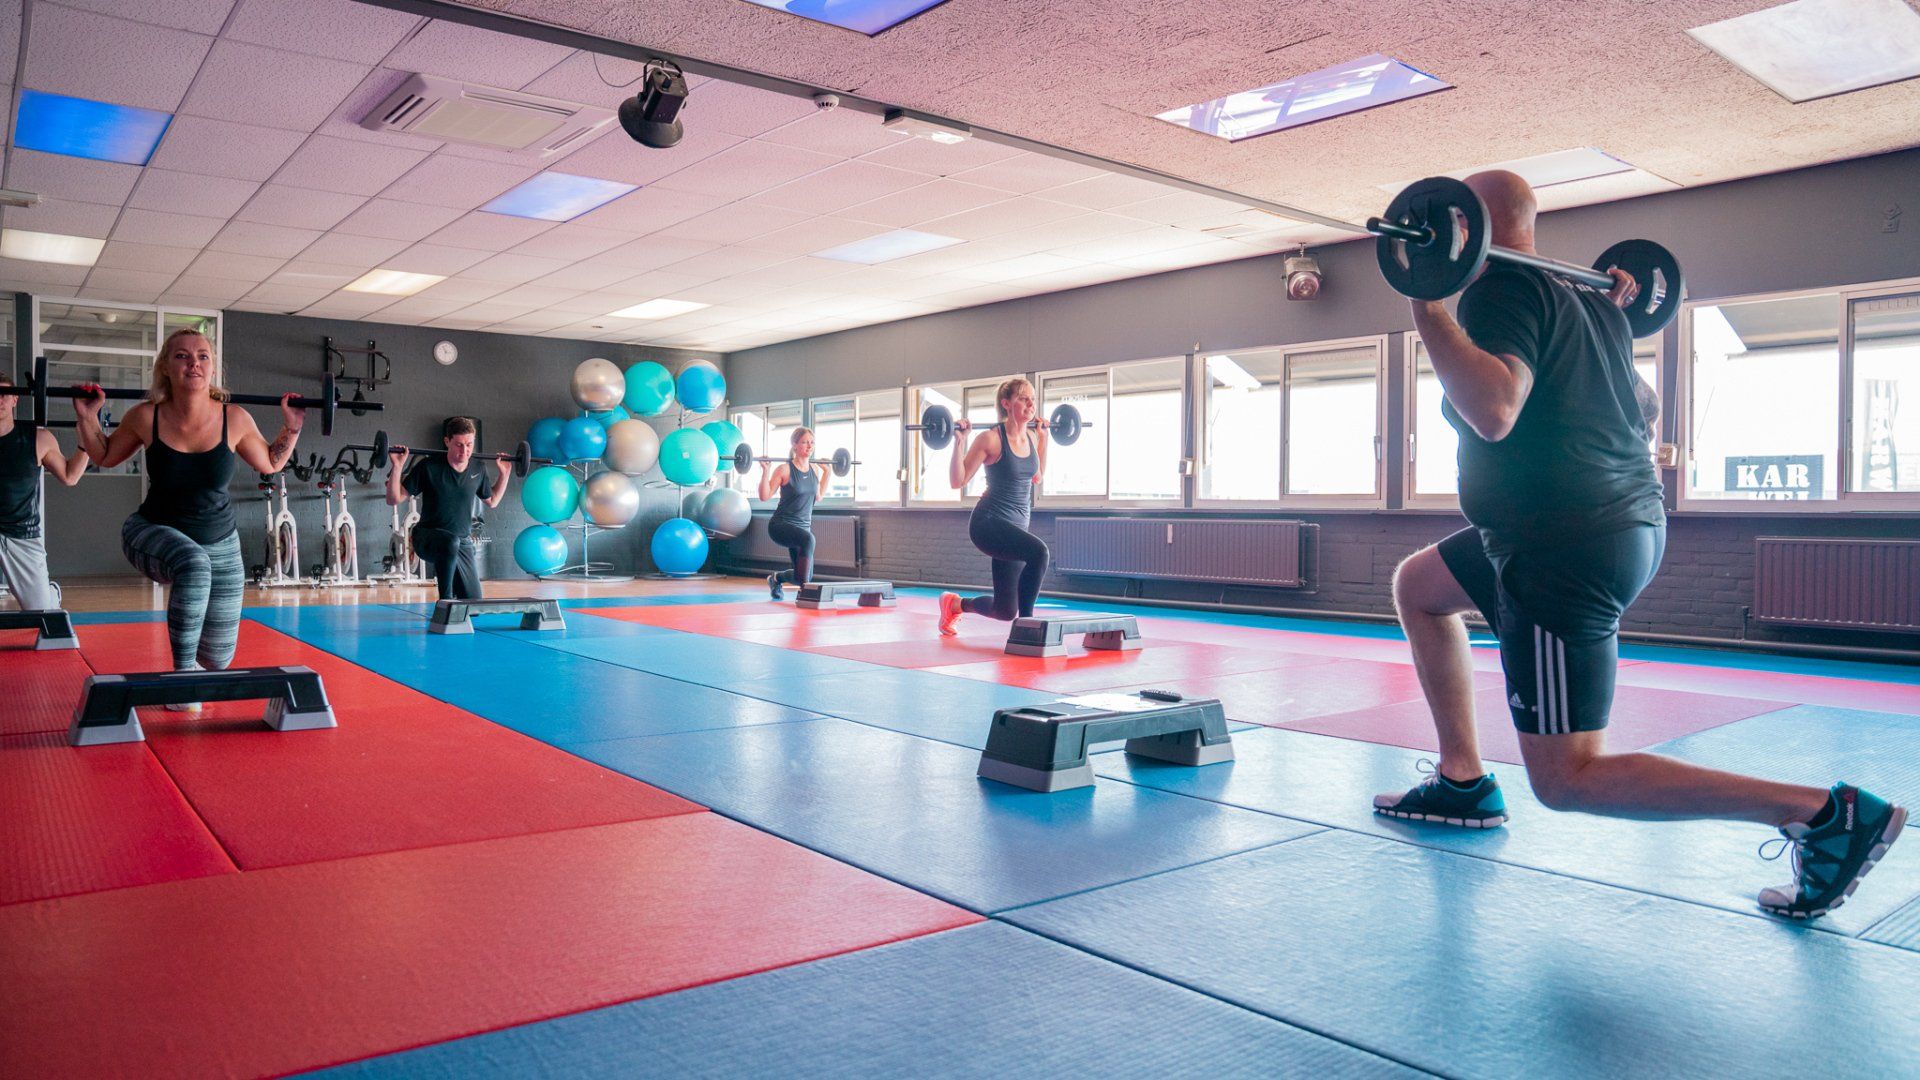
{"x":1064,"y":424}
{"x":1662,"y":287}
{"x":842,"y":462}
{"x":1442,"y":266}
{"x":936,"y":427}
{"x":743,"y":458}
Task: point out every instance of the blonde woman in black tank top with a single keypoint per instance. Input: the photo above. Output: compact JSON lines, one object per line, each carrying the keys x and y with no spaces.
{"x":799,"y":480}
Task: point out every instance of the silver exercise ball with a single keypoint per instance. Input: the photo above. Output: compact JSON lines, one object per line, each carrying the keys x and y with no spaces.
{"x":725,"y":512}
{"x":598,"y":385}
{"x":633,"y":447}
{"x":692,"y":500}
{"x":610,"y":499}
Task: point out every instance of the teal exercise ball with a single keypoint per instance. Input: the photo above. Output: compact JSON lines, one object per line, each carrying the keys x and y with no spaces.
{"x":543,"y":438}
{"x":540,"y":550}
{"x":687,"y":457}
{"x":679,"y":546}
{"x":550,"y":494}
{"x":702,"y":387}
{"x":583,"y":440}
{"x":649,"y":389}
{"x":725,"y":438}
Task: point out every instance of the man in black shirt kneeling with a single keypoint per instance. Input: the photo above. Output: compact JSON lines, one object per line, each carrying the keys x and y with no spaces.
{"x":448,"y":487}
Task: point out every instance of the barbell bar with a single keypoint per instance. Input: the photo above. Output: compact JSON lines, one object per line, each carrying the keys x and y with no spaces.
{"x":937,"y":425}
{"x":1435,"y":237}
{"x":744,"y":457}
{"x":383,"y":450}
{"x":328,"y":402}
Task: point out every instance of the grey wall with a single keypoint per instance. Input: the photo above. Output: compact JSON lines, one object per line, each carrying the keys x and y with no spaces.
{"x":507,"y":381}
{"x":1818,"y":227}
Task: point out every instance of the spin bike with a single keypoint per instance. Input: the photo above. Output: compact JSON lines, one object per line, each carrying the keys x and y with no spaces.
{"x":340,"y":548}
{"x":281,"y":566}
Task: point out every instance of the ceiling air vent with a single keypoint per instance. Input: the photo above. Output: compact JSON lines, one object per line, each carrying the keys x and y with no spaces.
{"x":453,"y":111}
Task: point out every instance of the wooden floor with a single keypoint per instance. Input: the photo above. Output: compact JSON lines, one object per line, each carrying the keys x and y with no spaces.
{"x":134,"y":596}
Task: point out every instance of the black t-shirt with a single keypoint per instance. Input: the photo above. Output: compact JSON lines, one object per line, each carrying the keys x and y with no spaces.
{"x":447,"y":497}
{"x":1576,"y":463}
{"x":20,"y":482}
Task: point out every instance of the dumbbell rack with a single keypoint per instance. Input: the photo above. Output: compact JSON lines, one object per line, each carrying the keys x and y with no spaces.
{"x":586,"y":571}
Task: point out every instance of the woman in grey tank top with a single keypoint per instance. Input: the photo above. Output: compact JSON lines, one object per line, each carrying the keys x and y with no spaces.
{"x":799,"y":480}
{"x":1015,"y":457}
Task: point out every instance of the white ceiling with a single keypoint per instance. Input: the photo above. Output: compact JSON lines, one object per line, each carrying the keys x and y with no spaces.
{"x":266,"y":194}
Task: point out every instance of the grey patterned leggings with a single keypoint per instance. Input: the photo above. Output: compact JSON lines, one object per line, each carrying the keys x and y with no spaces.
{"x":203,"y":605}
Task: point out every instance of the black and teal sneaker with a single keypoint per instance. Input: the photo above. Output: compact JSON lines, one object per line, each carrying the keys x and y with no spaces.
{"x":1829,"y":861}
{"x":773,"y":586}
{"x":1444,"y":802}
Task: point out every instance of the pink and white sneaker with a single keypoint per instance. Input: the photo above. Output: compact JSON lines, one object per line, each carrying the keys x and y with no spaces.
{"x":949,"y":613}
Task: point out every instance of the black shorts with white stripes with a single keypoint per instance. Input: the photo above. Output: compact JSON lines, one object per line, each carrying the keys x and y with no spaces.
{"x":1557,"y":614}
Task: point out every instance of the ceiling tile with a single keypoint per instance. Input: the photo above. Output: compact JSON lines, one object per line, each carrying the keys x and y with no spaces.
{"x":590,"y":79}
{"x":69,"y":218}
{"x":173,"y":297}
{"x":948,"y":259}
{"x":159,"y":227}
{"x":1010,"y":216}
{"x":1206,"y":252}
{"x":185,"y":193}
{"x":396,"y":220}
{"x":536,"y":296}
{"x":81,"y":54}
{"x":799,"y":271}
{"x":843,"y":133}
{"x":743,"y":110}
{"x":219,"y":148}
{"x":1132,"y":245}
{"x":340,"y":29}
{"x":615,"y":156}
{"x":1028,"y":173}
{"x":312,"y":275}
{"x":475,"y":55}
{"x":512,"y":269}
{"x":817,"y":234}
{"x":585,"y":276}
{"x":932,"y":199}
{"x":735,"y":223}
{"x":586,"y":304}
{"x":254,"y":238}
{"x":154,"y":257}
{"x":653,"y":283}
{"x":453,"y":181}
{"x":570,"y":241}
{"x":840,"y":186}
{"x":492,"y":311}
{"x":299,"y":208}
{"x":1107,"y":190}
{"x":649,"y":252}
{"x":78,"y":179}
{"x":346,"y":305}
{"x":16,"y":272}
{"x":351,"y":168}
{"x":230,"y":266}
{"x":223,"y":290}
{"x":199,"y":16}
{"x":346,"y":250}
{"x":1182,"y":208}
{"x":724,"y":262}
{"x":288,"y":298}
{"x":434,"y":259}
{"x":941,"y":159}
{"x":251,"y":84}
{"x":722,"y":292}
{"x":1073,"y":230}
{"x":142,"y":286}
{"x":490,"y":232}
{"x":649,"y":210}
{"x":533,"y":323}
{"x":461,"y":290}
{"x":418,"y":309}
{"x":746,"y":169}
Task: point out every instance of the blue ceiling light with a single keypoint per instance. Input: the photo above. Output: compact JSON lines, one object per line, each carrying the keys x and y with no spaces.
{"x":887,"y":247}
{"x":867,"y":16}
{"x":555,"y":196}
{"x":1335,"y":91}
{"x":81,"y":128}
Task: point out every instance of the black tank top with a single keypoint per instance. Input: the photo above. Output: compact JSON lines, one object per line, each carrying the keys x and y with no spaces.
{"x":189,"y":491}
{"x":1009,"y":494}
{"x":20,"y":482}
{"x":797,"y":495}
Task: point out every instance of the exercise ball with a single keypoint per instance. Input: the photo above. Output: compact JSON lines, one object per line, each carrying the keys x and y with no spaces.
{"x":692,"y":501}
{"x":649,"y":388}
{"x":725,"y":512}
{"x":679,"y":547}
{"x":550,"y":494}
{"x":701,"y":386}
{"x":540,"y":549}
{"x":598,"y":384}
{"x":610,"y":417}
{"x":543,"y":438}
{"x":687,"y":456}
{"x":610,"y":499}
{"x":633,"y":447}
{"x":583,"y":440}
{"x":725,"y":437}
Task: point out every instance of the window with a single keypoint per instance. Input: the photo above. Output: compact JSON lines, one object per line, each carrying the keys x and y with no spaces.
{"x":1763,"y":386}
{"x":1299,"y":424}
{"x":1144,"y":440}
{"x":769,"y":430}
{"x":973,"y":400}
{"x":876,"y":443}
{"x":1884,"y":450}
{"x":833,"y":428}
{"x":1081,"y":471}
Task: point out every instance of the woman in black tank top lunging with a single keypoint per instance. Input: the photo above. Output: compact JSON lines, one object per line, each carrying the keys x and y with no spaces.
{"x":1015,"y":456}
{"x":185,"y":534}
{"x":799,"y":480}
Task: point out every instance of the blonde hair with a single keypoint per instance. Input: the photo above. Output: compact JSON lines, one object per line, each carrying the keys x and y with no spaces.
{"x":160,"y":387}
{"x":794,"y":439}
{"x":1007,"y":390}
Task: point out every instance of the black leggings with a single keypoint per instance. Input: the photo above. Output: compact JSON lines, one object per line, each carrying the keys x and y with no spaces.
{"x":1019,"y":562}
{"x":452,"y":560}
{"x":798,"y":540}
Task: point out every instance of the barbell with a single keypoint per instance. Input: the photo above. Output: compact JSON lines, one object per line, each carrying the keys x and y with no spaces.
{"x":383,"y":450}
{"x":1435,"y":237}
{"x":744,"y":457}
{"x":937,"y":425}
{"x":328,"y":402}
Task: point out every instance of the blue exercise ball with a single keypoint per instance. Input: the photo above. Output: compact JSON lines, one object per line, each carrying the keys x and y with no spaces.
{"x":540,"y":549}
{"x":679,"y":546}
{"x":607,"y":418}
{"x":687,"y":457}
{"x":702,"y":387}
{"x":583,"y":440}
{"x":649,"y":389}
{"x":543,"y":438}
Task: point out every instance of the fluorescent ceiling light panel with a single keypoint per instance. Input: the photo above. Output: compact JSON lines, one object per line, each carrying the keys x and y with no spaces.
{"x":1546,"y":170}
{"x":946,"y":132}
{"x":867,"y":16}
{"x":81,"y":128}
{"x":656,"y":309}
{"x":49,"y":247}
{"x":888,"y":246}
{"x":1818,"y":48}
{"x":393,"y":282}
{"x":553,"y":196}
{"x":1344,"y":88}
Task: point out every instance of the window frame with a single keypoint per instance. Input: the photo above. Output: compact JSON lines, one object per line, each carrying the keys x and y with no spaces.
{"x":1844,"y":500}
{"x":739,"y":480}
{"x":854,"y":500}
{"x":912,"y":456}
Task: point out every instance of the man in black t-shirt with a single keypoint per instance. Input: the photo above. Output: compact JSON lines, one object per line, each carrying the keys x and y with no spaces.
{"x":1558,"y":482}
{"x":448,"y":488}
{"x":26,"y":453}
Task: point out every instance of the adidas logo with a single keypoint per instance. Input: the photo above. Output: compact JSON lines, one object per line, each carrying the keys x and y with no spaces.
{"x":1518,"y":704}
